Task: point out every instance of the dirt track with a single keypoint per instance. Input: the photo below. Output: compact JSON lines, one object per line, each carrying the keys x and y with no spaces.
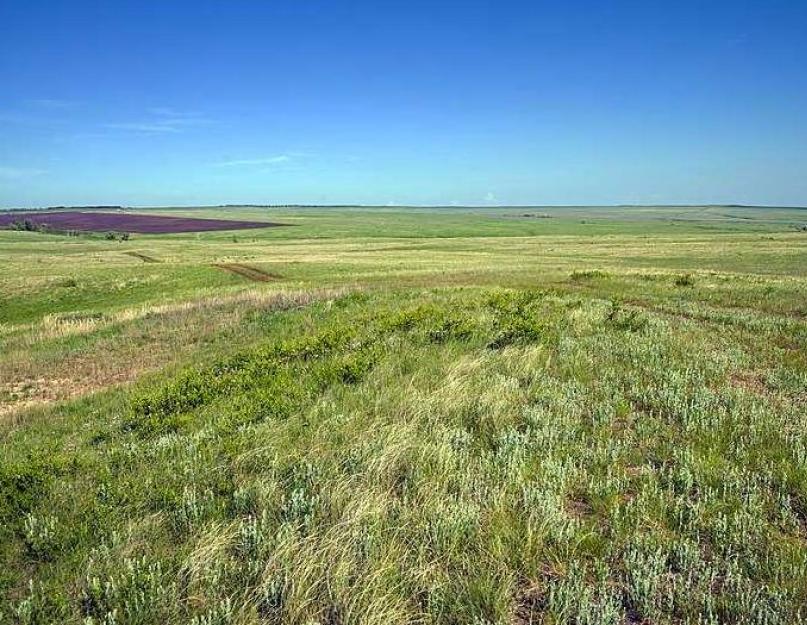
{"x":145,"y":258}
{"x":248,"y":272}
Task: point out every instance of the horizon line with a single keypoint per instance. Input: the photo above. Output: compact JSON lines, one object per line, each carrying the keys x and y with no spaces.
{"x":348,"y":205}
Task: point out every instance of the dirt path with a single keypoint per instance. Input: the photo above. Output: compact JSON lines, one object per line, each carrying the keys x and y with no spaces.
{"x":143,"y":257}
{"x":245,"y":271}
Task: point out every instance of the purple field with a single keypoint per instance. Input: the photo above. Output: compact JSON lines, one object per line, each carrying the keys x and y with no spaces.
{"x":126,"y":222}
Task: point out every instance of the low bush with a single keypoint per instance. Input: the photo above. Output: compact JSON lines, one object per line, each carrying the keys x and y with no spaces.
{"x":685,"y":279}
{"x":623,"y":318}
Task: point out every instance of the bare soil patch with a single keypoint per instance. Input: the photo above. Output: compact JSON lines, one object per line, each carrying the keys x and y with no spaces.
{"x":749,"y":381}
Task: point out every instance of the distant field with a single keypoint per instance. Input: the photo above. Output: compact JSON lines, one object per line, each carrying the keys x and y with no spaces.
{"x":141,"y":223}
{"x":574,"y":415}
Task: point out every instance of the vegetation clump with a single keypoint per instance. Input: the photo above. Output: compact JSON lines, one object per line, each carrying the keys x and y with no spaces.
{"x":588,"y":274}
{"x":116,"y":236}
{"x":686,"y":279}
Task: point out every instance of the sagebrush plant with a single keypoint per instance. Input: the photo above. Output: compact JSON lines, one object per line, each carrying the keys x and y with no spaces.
{"x":444,"y":456}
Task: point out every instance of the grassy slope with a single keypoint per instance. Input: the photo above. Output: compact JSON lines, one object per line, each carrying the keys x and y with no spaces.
{"x":603,"y":441}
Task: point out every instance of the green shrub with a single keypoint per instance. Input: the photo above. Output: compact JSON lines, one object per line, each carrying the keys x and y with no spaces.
{"x":629,"y":319}
{"x":21,"y":488}
{"x":517,"y":320}
{"x":407,"y":320}
{"x":685,"y":279}
{"x":188,"y":391}
{"x":27,"y":225}
{"x":453,"y":329}
{"x":511,"y":302}
{"x":349,"y":368}
{"x":517,"y":332}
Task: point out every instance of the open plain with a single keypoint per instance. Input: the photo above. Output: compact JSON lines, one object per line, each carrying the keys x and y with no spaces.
{"x":386,"y":415}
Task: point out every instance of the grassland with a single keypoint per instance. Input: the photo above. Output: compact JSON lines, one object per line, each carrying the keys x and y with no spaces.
{"x":421,"y":416}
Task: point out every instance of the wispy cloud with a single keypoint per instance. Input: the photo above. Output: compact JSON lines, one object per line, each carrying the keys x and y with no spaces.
{"x":162,"y":120}
{"x":17,"y":173}
{"x":252,"y":162}
{"x":143,"y":127}
{"x":167,"y":111}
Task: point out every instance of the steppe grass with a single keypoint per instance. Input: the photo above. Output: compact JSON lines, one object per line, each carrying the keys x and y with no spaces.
{"x":454,"y":455}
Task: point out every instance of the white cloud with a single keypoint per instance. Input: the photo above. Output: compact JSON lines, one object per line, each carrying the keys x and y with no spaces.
{"x":490,"y":197}
{"x":249,"y":162}
{"x":16,"y":173}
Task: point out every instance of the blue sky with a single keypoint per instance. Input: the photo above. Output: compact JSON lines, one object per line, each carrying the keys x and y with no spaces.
{"x":178,"y":103}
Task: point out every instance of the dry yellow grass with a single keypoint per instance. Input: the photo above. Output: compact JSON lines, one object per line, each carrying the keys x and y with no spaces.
{"x":120,"y":346}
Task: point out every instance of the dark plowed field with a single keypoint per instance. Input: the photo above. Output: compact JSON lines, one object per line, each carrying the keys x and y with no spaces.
{"x":126,"y":222}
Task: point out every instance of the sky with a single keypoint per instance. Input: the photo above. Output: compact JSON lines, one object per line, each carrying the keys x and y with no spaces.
{"x":468,"y":103}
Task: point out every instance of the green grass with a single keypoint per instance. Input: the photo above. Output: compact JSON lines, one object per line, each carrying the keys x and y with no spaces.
{"x":509,"y":427}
